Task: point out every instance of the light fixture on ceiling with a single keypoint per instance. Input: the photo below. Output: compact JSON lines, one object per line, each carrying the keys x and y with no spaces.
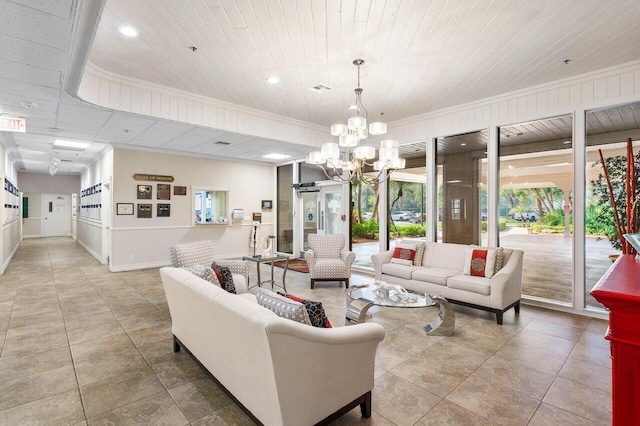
{"x":276,"y":156}
{"x":351,"y":153}
{"x":128,"y":31}
{"x":273,"y":79}
{"x":53,"y":164}
{"x":70,"y":145}
{"x":28,"y":104}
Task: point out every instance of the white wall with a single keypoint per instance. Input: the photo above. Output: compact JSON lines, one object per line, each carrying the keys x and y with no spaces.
{"x":34,"y":185}
{"x":11,"y":227}
{"x":148,"y":240}
{"x":90,"y":231}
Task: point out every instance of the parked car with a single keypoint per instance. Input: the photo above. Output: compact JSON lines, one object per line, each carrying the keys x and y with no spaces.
{"x":401,"y":216}
{"x":528,"y":216}
{"x":366,"y":216}
{"x":416,"y":218}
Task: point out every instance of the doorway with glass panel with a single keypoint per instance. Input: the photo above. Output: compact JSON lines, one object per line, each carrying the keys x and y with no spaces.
{"x":321,"y":212}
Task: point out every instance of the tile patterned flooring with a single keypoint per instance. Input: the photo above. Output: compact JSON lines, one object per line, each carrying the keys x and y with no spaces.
{"x":81,"y":345}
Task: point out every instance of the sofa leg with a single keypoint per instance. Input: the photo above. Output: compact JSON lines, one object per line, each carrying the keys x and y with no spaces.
{"x":176,"y":345}
{"x":517,"y":308}
{"x":365,"y":407}
{"x":499,"y":317}
{"x":312,"y":282}
{"x":346,"y":283}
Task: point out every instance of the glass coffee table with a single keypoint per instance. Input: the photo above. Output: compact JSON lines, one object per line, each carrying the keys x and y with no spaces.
{"x":360,"y":299}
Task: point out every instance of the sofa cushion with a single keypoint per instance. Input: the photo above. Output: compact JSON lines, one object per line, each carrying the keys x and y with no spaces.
{"x":225,"y":277}
{"x":479,"y":262}
{"x":500,"y":260}
{"x":420,"y":248}
{"x":206,"y":273}
{"x":283,"y":307}
{"x":434,"y":275}
{"x":480,"y":285}
{"x":400,"y":271}
{"x":404,"y":253}
{"x":316,"y":313}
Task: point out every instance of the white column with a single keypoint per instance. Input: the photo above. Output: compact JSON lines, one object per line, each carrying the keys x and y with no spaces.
{"x":579,"y":189}
{"x":431,"y":199}
{"x":493,"y":187}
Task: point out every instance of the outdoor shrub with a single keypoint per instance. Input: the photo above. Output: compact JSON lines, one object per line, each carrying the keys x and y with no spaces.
{"x":413,"y":231}
{"x":503,"y":223}
{"x":366,"y":229}
{"x":553,"y":218}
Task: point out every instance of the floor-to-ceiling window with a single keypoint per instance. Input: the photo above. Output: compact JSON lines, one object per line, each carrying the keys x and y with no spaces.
{"x":535,"y":204}
{"x":365,"y":228}
{"x":607,"y":133}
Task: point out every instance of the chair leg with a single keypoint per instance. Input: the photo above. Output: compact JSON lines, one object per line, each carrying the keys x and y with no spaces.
{"x":312,"y":282}
{"x":346,"y":283}
{"x":365,"y":407}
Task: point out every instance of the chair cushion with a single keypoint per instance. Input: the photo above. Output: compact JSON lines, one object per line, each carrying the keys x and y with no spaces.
{"x":480,"y":285}
{"x":188,"y":254}
{"x":326,"y":246}
{"x":330,"y":268}
{"x":434,"y":275}
{"x":283,"y":307}
{"x":400,"y":271}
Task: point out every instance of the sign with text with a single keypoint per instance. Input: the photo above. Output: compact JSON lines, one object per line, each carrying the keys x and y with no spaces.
{"x":153,"y":178}
{"x":13,"y":124}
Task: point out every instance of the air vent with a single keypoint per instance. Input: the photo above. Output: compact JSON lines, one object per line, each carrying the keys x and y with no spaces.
{"x":321,"y":88}
{"x":66,"y":161}
{"x":223,"y":143}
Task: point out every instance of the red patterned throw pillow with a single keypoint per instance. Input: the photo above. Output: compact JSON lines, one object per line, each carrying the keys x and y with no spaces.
{"x":404,"y":254}
{"x":316,"y":313}
{"x":480,"y":262}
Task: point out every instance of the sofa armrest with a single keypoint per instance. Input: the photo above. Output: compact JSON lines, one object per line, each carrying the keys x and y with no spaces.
{"x":240,"y":267}
{"x":379,"y":260}
{"x":310,"y":257}
{"x":506,"y":285}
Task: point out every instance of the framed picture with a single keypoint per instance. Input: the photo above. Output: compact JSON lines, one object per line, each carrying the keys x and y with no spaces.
{"x":164,"y":210}
{"x":144,"y":211}
{"x":267,"y":204}
{"x":179,"y":190}
{"x":124,"y":208}
{"x":164,"y":191}
{"x":144,"y":192}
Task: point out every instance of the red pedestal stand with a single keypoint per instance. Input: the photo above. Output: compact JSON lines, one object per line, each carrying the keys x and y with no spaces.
{"x":619,"y":291}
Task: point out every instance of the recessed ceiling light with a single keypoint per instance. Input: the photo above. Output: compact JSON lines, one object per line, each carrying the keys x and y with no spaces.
{"x":71,"y":145}
{"x":353,"y":106}
{"x":463,"y":144}
{"x":273,"y":79}
{"x":128,"y":31}
{"x":566,"y":142}
{"x":276,"y":156}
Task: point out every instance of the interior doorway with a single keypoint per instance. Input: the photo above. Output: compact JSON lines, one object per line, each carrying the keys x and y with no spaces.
{"x":57,"y":215}
{"x":321,"y":212}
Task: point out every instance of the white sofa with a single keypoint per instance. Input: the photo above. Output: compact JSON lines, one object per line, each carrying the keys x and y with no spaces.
{"x":441,"y":273}
{"x":280,"y":371}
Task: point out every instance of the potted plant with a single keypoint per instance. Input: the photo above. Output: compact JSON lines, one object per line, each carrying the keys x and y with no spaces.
{"x":617,"y":191}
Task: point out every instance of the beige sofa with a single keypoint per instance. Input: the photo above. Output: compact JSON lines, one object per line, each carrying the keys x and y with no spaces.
{"x":441,"y":273}
{"x":280,"y":371}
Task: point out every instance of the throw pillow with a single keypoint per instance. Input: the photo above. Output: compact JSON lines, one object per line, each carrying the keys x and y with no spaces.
{"x":224,"y":277}
{"x":420,"y":249}
{"x":316,"y":313}
{"x":282,"y":306}
{"x":479,"y":262}
{"x":205,"y":273}
{"x":499,"y":256}
{"x":404,"y":254}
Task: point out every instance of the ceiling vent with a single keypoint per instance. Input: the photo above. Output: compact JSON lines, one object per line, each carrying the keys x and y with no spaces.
{"x":223,"y":143}
{"x":321,"y":88}
{"x":66,"y":161}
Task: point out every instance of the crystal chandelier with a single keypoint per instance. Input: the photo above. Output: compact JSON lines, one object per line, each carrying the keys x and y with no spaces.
{"x":351,"y":154}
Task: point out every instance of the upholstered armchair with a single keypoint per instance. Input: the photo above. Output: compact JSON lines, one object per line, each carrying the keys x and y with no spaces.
{"x":188,"y":255}
{"x":327,"y":258}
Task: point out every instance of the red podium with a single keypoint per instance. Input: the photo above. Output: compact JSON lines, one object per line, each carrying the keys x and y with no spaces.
{"x":619,"y":291}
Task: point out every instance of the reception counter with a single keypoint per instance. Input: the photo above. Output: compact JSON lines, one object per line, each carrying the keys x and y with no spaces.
{"x":619,"y":291}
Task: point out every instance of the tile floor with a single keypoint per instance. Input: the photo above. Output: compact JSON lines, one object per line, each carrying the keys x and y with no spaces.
{"x":81,"y":345}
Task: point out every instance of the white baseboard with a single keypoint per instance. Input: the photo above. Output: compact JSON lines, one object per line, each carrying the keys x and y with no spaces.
{"x":32,"y":236}
{"x":91,"y":252}
{"x":136,"y":266}
{"x":4,"y":266}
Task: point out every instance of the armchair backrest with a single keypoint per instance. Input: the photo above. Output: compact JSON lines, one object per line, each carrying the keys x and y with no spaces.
{"x":326,"y":246}
{"x":195,"y":253}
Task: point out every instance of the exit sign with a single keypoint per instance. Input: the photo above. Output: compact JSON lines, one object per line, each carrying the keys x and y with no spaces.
{"x":13,"y":124}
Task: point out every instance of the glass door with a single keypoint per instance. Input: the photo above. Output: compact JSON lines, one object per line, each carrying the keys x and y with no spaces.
{"x":321,"y":212}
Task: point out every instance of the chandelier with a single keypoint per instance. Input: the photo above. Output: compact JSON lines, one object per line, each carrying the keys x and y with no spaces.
{"x":348,"y":158}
